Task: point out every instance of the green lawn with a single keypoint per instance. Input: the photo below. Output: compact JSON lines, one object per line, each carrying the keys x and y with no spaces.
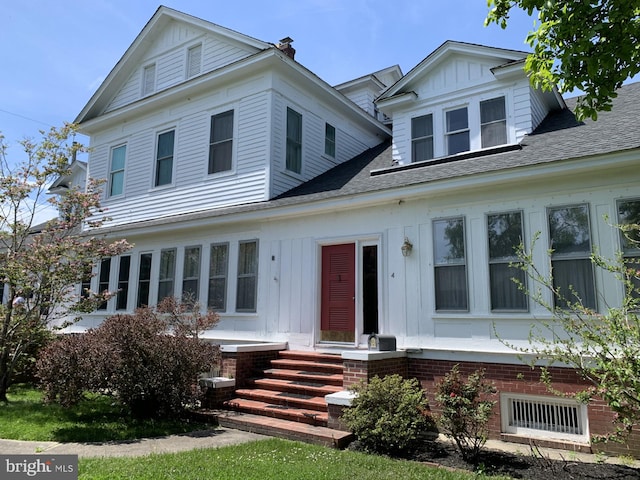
{"x":96,"y":419}
{"x":272,"y":459}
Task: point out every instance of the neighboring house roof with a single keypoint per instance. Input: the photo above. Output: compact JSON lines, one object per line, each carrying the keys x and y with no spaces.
{"x":64,"y":182}
{"x":559,"y":139}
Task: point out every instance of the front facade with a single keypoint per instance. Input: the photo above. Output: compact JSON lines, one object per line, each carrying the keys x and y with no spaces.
{"x":391,"y":204}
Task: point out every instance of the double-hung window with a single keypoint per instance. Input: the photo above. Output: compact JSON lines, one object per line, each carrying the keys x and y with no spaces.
{"x":572,"y":270}
{"x":329,"y":140}
{"x":493,"y":122}
{"x":123,"y":283}
{"x":144,"y":279}
{"x":247,"y":288}
{"x":164,"y":158}
{"x":294,"y":141}
{"x":103,"y":283}
{"x":628,"y":218}
{"x":167,"y":274}
{"x":116,"y":174}
{"x":191,"y":275}
{"x":218,"y":268}
{"x":422,"y":138}
{"x":457,"y":135}
{"x":194,"y":60}
{"x":450,"y":264}
{"x":505,"y":276}
{"x":148,"y":79}
{"x":221,"y":142}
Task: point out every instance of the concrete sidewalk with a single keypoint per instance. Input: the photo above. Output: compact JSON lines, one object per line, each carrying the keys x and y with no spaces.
{"x":220,"y":437}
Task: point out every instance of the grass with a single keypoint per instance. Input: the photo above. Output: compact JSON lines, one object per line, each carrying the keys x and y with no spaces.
{"x":96,"y":419}
{"x":267,"y":459}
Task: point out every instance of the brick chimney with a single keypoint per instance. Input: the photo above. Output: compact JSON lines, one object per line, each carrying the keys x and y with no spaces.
{"x":285,"y":47}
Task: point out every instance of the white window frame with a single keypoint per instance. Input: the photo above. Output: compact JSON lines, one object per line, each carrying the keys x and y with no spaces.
{"x":493,"y":122}
{"x":217,"y":276}
{"x":243,"y":275}
{"x":630,"y":251}
{"x":156,"y":159}
{"x":450,"y":133}
{"x":113,"y":171}
{"x":295,"y":141}
{"x":194,"y":61}
{"x":506,"y":410}
{"x":416,"y":139}
{"x":104,"y":283}
{"x":170,"y":279}
{"x":329,"y":143}
{"x":190,"y":278}
{"x":439,"y":265}
{"x":147,"y":281}
{"x":123,"y":281}
{"x":231,"y":139}
{"x":149,"y":74}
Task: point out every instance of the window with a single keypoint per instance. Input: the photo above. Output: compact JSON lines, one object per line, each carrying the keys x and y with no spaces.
{"x":85,"y":285}
{"x":330,"y":140}
{"x":123,"y":283}
{"x":570,"y":258}
{"x":457,"y":131}
{"x":294,"y":141}
{"x":218,"y":267}
{"x":103,"y":283}
{"x":144,"y":280}
{"x":164,"y":158}
{"x":221,"y":142}
{"x":505,"y":235}
{"x":191,"y":275}
{"x":194,"y":61}
{"x":148,"y":79}
{"x":247,"y":276}
{"x":629,"y":214}
{"x":167,"y":273}
{"x":493,"y":122}
{"x":422,"y":138}
{"x":450,"y":264}
{"x":116,"y":176}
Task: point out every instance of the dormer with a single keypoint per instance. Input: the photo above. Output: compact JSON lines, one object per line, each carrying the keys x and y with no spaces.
{"x":364,"y":90}
{"x":463,"y":98}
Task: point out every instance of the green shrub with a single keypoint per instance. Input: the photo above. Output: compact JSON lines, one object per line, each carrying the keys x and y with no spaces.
{"x":465,"y":410}
{"x":388,"y":415}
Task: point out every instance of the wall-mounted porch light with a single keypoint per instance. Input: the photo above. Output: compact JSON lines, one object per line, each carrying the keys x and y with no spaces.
{"x":406,"y":247}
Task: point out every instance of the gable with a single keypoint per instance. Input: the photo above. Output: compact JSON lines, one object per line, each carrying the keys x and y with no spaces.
{"x":158,"y":59}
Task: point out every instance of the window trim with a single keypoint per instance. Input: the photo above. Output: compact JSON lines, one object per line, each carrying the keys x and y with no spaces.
{"x":330,"y":142}
{"x":449,"y":133}
{"x":112,"y":171}
{"x":437,"y":265}
{"x":243,"y":275}
{"x":123,"y":292}
{"x":415,"y":139}
{"x":156,"y":159}
{"x":146,"y":281}
{"x":196,"y":277}
{"x":231,"y":139}
{"x":171,"y":278}
{"x":104,"y":280}
{"x":225,"y":276}
{"x":188,"y":62}
{"x":505,"y":120}
{"x":149,"y":79}
{"x":298,"y":142}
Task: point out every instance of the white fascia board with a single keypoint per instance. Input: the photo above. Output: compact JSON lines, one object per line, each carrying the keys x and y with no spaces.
{"x":397,"y":101}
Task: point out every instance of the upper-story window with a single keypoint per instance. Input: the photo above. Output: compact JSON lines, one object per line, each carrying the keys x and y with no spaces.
{"x":422,"y":138}
{"x":116,"y":174}
{"x":505,"y":236}
{"x":149,"y":79}
{"x":164,"y":158}
{"x":221,"y":142}
{"x":570,"y":241}
{"x":294,"y":141}
{"x":450,"y":264}
{"x":330,"y":140}
{"x":194,"y":60}
{"x":457,"y":133}
{"x":493,"y":122}
{"x":629,"y":214}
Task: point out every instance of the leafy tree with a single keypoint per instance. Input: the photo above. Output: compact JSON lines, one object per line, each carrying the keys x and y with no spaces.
{"x":40,"y":265}
{"x":589,"y":46}
{"x":149,"y":361}
{"x":603,"y":348}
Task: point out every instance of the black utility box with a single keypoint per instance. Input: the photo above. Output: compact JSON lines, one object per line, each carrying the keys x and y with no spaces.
{"x":382,"y":343}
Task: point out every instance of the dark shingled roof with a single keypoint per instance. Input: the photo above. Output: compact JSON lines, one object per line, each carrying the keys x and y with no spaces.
{"x":559,"y":137}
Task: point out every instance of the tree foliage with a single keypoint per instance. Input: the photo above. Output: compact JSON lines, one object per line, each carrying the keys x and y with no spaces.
{"x":40,"y":265}
{"x":149,"y":361}
{"x":602,"y":347}
{"x":589,"y":46}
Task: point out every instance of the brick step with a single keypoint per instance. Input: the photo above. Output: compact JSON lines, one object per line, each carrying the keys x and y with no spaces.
{"x":305,"y":376}
{"x":311,"y":356}
{"x":312,"y":388}
{"x":289,"y":430}
{"x":287,"y":399}
{"x":307,"y":365}
{"x":283,"y":412}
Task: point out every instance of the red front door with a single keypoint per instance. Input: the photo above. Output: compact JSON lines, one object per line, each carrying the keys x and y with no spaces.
{"x":338,"y":310}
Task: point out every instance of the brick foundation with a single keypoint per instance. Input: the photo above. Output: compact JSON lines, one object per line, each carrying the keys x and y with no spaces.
{"x":240,"y":362}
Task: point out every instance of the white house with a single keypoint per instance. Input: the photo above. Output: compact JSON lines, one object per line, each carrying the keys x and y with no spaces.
{"x":317,"y":215}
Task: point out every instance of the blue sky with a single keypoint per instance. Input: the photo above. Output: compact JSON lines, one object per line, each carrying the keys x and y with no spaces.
{"x":55,"y":54}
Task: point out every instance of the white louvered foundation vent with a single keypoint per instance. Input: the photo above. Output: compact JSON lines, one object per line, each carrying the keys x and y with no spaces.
{"x":544,"y":417}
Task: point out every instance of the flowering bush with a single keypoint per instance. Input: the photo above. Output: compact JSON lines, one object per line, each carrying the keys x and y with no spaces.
{"x":465,"y":410}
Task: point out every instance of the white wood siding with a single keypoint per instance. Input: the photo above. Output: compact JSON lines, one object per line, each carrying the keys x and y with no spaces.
{"x":364,"y":99}
{"x":538,"y":109}
{"x":169,"y":53}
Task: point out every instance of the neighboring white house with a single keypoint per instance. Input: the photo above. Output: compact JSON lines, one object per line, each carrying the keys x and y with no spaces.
{"x":315,"y":215}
